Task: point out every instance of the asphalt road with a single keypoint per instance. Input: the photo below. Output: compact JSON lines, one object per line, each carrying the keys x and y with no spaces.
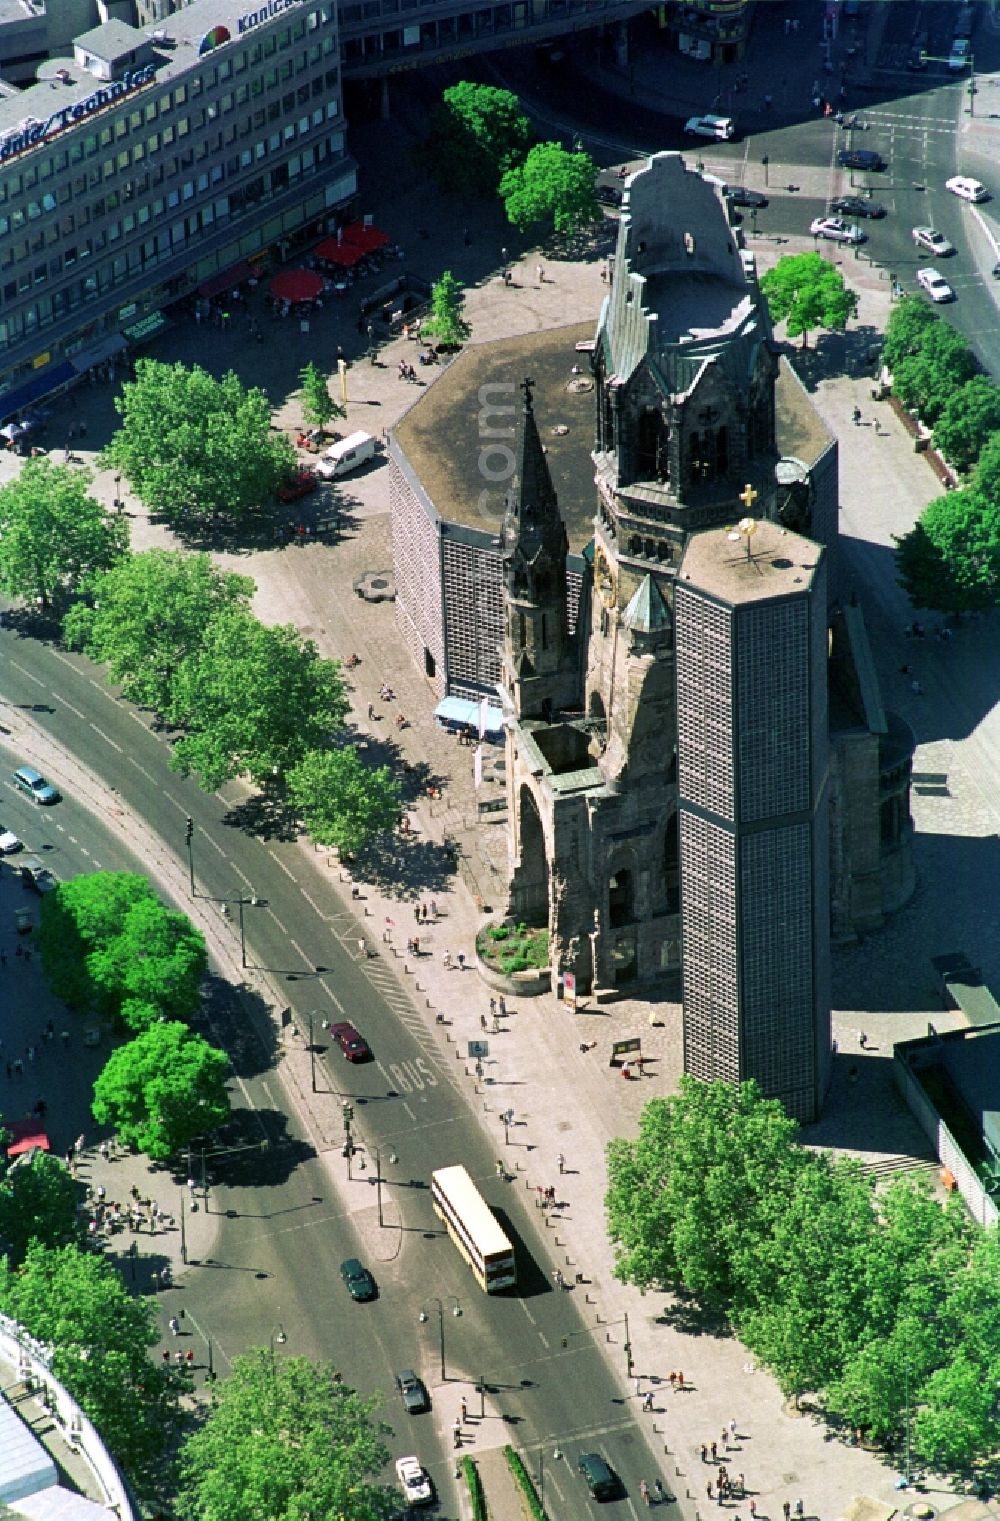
{"x":287,"y":1216}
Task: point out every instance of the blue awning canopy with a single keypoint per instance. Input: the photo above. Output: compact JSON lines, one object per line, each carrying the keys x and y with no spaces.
{"x":465,"y":714}
{"x":46,"y":380}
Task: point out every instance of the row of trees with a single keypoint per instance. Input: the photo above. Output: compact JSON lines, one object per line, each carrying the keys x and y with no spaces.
{"x":883,"y":1305}
{"x":950,"y":560}
{"x":179,"y":637}
{"x":482,"y":144}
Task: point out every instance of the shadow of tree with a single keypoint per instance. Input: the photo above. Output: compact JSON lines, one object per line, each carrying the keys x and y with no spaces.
{"x":406,"y":867}
{"x":686,"y":1314}
{"x":266,"y":815}
{"x":852,"y":353}
{"x":242,"y":1020}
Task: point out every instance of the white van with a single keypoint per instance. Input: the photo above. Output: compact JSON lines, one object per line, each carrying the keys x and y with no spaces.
{"x":348,"y":455}
{"x":721,"y":127}
{"x":968,"y":190}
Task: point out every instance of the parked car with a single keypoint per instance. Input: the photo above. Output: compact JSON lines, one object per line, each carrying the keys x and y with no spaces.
{"x":958,"y":58}
{"x":935,"y":242}
{"x":9,"y":841}
{"x":298,"y":485}
{"x":415,"y":1481}
{"x":741,"y":195}
{"x":857,"y":206}
{"x":599,"y":1478}
{"x":861,"y":158}
{"x":351,"y":1042}
{"x":966,"y":188}
{"x":360,"y":1283}
{"x":935,"y":285}
{"x":34,"y":784}
{"x":723,"y":128}
{"x":35,"y":875}
{"x":412,"y":1391}
{"x":609,"y":195}
{"x":836,"y":230}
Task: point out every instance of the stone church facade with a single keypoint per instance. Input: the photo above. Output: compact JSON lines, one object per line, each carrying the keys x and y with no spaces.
{"x":678,"y":782}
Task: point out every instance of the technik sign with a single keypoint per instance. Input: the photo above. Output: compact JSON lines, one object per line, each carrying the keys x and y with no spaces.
{"x":38,"y":131}
{"x":220,"y":34}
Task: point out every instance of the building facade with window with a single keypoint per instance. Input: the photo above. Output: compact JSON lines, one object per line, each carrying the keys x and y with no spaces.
{"x":151,"y":161}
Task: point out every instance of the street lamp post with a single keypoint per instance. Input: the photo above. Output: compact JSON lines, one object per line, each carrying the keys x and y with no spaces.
{"x":277,"y":1338}
{"x":312,"y":1055}
{"x":393,"y":1159}
{"x":424,"y":1317}
{"x":189,"y":835}
{"x":629,"y":1365}
{"x":184,"y":1245}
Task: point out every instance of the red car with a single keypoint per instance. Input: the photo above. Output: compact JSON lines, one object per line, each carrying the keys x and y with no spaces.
{"x":298,"y":485}
{"x":353,"y":1045}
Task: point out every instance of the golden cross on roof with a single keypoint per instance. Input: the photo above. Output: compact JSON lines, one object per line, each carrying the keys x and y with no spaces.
{"x":748,"y":496}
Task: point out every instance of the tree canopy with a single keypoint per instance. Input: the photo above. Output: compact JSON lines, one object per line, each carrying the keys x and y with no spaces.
{"x":477,"y":133}
{"x":927,"y":378}
{"x":908,"y":324}
{"x":552,"y":186}
{"x":252,"y":699}
{"x":54,"y":536}
{"x":148,"y":613}
{"x":969,"y":418}
{"x":446,"y":321}
{"x":100,"y":1335}
{"x":318,"y":406}
{"x":285,"y":1440}
{"x":38,"y":1202}
{"x":949,"y":562}
{"x":162,"y":1089}
{"x":806,"y":292}
{"x":108,"y":944}
{"x":195,"y":448}
{"x":342,"y":801}
{"x":874,"y":1301}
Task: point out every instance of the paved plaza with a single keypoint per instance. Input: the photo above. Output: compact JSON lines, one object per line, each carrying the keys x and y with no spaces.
{"x":569,"y":1101}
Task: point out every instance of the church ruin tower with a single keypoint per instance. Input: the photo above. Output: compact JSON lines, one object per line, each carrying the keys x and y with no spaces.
{"x":539,"y":668}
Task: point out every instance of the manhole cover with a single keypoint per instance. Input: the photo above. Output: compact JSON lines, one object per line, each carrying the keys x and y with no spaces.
{"x":580,"y":384}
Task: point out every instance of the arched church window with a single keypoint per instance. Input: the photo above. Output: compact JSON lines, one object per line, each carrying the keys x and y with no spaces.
{"x":648,"y":443}
{"x":722,"y":451}
{"x":621,"y":909}
{"x":634,"y":544}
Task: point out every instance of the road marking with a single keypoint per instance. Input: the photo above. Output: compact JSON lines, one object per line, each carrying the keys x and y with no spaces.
{"x":281,"y":866}
{"x":277,"y":921}
{"x":72,"y":709}
{"x":148,"y":775}
{"x":107,"y":739}
{"x":30,"y":674}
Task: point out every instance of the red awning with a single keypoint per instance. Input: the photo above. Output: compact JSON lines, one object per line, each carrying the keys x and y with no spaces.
{"x":366,"y":238}
{"x":26,"y":1135}
{"x":344,"y":254}
{"x":228,"y":280}
{"x":297,"y":285}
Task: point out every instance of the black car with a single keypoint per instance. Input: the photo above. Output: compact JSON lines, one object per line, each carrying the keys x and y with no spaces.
{"x":861,"y":158}
{"x":856,"y":206}
{"x":599,"y":1478}
{"x":609,"y":195}
{"x":741,"y":196}
{"x":360,"y":1283}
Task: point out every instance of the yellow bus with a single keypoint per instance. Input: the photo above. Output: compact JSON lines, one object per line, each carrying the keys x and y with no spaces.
{"x":474,"y":1228}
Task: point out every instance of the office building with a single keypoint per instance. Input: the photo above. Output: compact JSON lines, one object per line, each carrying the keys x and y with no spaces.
{"x":152,"y":161}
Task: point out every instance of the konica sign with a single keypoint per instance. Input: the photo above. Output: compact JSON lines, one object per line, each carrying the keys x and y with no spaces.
{"x":38,"y":131}
{"x":220,"y":34}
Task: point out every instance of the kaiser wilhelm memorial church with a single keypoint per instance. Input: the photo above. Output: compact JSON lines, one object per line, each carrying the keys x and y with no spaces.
{"x":702,"y":783}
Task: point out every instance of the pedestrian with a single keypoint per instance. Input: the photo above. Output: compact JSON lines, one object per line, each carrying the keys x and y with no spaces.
{"x":465,"y":1412}
{"x":562,"y":1162}
{"x":102,"y":1192}
{"x":704,"y":1453}
{"x":175,"y":1326}
{"x":753,"y":1509}
{"x":64,"y":1037}
{"x":799,"y":1508}
{"x":732,"y":1427}
{"x":916,"y":688}
{"x":460,"y":958}
{"x":724,"y":1439}
{"x":672,"y":1380}
{"x":856,"y":417}
{"x":862,"y":1040}
{"x":416,"y":912}
{"x":680,"y":1379}
{"x":786,"y":1510}
{"x":446,"y":960}
{"x":541,"y":275}
{"x":658,"y":1490}
{"x":502,"y":1006}
{"x":714,"y":1452}
{"x":501,"y":1170}
{"x":644,"y":1490}
{"x":493,"y":1007}
{"x":647,"y":1403}
{"x":560,"y":1281}
{"x":371,"y":712}
{"x":179,"y":1358}
{"x":708,"y":1489}
{"x":482,"y":1022}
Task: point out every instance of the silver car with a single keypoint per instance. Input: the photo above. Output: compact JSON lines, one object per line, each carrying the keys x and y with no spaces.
{"x":837,"y":230}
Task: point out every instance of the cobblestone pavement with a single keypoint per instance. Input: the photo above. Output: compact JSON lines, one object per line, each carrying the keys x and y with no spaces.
{"x":551,"y":1063}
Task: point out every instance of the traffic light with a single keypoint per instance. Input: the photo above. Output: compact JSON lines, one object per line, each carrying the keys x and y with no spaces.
{"x":190,"y":828}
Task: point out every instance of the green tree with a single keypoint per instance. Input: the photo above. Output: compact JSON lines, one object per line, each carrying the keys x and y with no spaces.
{"x":342,"y":801}
{"x":252,"y":700}
{"x":949,"y":561}
{"x":806,"y":292}
{"x":955,"y":1423}
{"x":689,"y":1200}
{"x":925,"y":380}
{"x":805,"y":1283}
{"x":285,"y":1440}
{"x":446,"y":321}
{"x":53,"y":535}
{"x":38,"y":1202}
{"x":477,"y":133}
{"x":909,"y":322}
{"x":163,"y":1089}
{"x":195,"y":448}
{"x":109,"y":944}
{"x":148,"y":613}
{"x":969,"y":419}
{"x":318,"y":406}
{"x":551,"y":186}
{"x":100,"y":1335}
{"x":986,"y":476}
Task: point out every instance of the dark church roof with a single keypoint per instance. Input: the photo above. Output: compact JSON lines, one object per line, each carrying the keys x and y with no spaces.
{"x":459,"y":439}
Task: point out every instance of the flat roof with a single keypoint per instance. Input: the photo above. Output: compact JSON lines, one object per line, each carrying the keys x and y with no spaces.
{"x":780,"y":563}
{"x":185,"y":30}
{"x":449,"y":434}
